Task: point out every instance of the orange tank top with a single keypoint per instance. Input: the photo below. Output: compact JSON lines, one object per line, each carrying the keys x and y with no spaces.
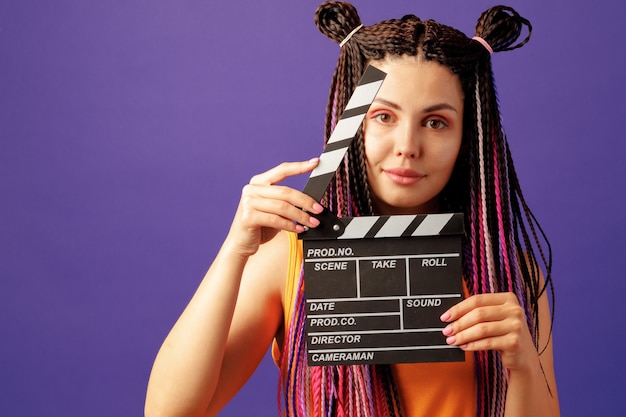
{"x":446,"y":389}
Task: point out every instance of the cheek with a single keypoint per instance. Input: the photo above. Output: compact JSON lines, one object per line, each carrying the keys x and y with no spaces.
{"x":448,"y":156}
{"x":372,"y":150}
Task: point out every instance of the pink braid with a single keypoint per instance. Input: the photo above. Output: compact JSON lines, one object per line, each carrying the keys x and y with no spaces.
{"x":503,"y":242}
{"x":483,"y":193}
{"x":316,"y":387}
{"x":341,"y":386}
{"x":485,"y":283}
{"x":368,"y":389}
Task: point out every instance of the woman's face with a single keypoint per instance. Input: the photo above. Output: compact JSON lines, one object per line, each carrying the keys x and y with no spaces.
{"x":412,"y":135}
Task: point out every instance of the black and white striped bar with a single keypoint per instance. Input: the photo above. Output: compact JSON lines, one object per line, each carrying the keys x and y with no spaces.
{"x":402,"y":226}
{"x":345,"y":130}
{"x":368,"y":227}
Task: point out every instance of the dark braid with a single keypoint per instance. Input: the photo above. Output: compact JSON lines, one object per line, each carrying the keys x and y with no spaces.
{"x":504,"y":247}
{"x":357,"y":163}
{"x":501,"y":27}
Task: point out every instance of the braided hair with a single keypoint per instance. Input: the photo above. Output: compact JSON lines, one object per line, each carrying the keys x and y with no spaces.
{"x":504,"y":247}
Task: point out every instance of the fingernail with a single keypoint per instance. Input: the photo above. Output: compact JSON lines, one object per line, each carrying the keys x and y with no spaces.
{"x":314,"y":221}
{"x":450,"y":340}
{"x":445,"y":316}
{"x":318,"y":208}
{"x":300,"y":228}
{"x":314,"y":160}
{"x":447,"y":331}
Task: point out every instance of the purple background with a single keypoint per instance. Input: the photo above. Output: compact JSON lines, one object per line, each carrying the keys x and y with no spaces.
{"x":127,"y":129}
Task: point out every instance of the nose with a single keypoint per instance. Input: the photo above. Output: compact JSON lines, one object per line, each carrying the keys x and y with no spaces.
{"x":407,"y":143}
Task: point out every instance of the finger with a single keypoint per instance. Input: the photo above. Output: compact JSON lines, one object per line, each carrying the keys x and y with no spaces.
{"x":481,"y":332}
{"x":494,"y":336}
{"x":281,"y":209}
{"x":477,"y":317}
{"x":273,"y":221}
{"x":284,"y":171}
{"x":476,"y":301}
{"x":502,"y":343}
{"x":296,"y":200}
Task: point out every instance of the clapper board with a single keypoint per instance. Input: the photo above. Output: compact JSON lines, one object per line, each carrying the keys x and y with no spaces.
{"x":376,"y":286}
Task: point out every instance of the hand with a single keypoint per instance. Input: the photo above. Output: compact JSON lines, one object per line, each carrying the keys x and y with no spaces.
{"x":491,"y":322}
{"x":266,"y":208}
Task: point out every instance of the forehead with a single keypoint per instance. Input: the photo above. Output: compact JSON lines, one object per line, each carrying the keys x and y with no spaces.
{"x":416,"y":80}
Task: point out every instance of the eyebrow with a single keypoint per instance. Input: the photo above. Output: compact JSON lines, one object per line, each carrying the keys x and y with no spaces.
{"x":434,"y":107}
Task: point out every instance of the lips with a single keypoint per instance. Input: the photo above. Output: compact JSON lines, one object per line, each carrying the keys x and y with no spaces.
{"x":403,"y":176}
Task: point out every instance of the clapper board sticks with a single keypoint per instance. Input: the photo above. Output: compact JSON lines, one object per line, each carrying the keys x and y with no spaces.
{"x":376,"y":286}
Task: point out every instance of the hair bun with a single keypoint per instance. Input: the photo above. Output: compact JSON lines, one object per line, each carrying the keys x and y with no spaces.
{"x":501,"y":27}
{"x":336,"y":19}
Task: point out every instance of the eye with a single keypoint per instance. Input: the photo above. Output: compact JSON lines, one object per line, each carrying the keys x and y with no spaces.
{"x":383,"y":118}
{"x":435,"y":124}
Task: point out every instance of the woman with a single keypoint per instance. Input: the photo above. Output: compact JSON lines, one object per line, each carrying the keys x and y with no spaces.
{"x":431,"y":142}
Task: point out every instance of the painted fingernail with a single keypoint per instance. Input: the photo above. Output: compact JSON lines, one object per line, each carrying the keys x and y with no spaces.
{"x":300,"y":228}
{"x":445,"y":316}
{"x":450,"y":340}
{"x":314,"y":221}
{"x":318,"y":208}
{"x":447,"y":331}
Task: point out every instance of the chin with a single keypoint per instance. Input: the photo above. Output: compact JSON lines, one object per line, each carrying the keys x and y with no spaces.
{"x":401,"y":206}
